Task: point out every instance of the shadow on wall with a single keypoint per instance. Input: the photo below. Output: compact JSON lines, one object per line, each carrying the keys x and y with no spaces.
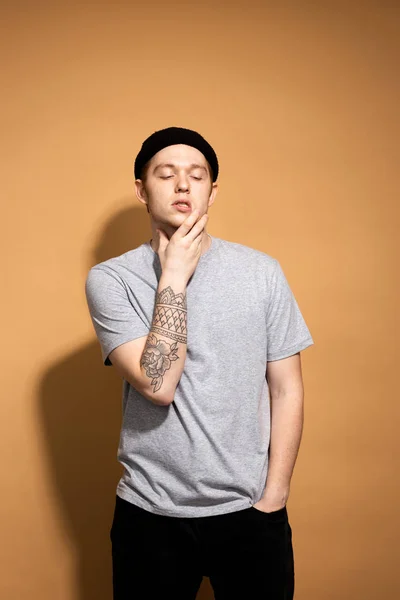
{"x":80,"y":403}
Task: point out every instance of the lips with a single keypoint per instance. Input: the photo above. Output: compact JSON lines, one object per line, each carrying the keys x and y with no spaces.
{"x":183,"y":202}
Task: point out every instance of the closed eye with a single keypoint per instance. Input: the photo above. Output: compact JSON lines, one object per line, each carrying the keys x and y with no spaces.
{"x":169,"y":176}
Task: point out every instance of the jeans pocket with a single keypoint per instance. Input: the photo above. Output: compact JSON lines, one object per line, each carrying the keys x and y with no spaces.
{"x":275,"y":515}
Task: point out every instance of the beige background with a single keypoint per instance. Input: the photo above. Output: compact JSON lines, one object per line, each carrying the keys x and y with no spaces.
{"x":300,"y":103}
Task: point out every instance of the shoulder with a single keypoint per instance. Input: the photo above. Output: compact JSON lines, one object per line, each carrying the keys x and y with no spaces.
{"x":119,"y":267}
{"x":248,"y":255}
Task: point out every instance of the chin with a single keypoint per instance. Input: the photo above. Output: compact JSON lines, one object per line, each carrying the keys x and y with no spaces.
{"x":173,"y":221}
{"x":179,"y":216}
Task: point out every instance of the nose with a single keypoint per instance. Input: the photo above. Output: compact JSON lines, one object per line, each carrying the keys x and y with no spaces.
{"x":182,"y":183}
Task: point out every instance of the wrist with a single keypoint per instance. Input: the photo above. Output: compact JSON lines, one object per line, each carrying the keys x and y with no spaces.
{"x":174,"y":279}
{"x":280,"y":493}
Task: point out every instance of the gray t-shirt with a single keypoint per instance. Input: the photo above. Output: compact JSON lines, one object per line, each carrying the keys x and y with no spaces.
{"x":207,"y":452}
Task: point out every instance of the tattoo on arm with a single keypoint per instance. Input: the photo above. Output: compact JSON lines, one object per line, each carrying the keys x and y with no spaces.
{"x":170,"y":315}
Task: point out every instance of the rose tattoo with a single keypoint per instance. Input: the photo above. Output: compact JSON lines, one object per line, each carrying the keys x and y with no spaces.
{"x":157,"y":358}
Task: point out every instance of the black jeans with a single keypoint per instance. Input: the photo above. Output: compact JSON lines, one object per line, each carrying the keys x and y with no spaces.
{"x":247,"y":554}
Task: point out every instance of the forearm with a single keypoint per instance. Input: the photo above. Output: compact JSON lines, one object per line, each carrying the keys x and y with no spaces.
{"x":287,"y":416}
{"x":164,"y":355}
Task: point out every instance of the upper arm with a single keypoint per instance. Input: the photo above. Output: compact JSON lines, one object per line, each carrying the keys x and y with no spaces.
{"x":115,"y":318}
{"x":287,"y":331}
{"x":121,"y":328}
{"x":287,"y":335}
{"x":284,"y":376}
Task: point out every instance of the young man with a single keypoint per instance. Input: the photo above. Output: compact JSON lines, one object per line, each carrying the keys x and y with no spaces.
{"x":206,"y":335}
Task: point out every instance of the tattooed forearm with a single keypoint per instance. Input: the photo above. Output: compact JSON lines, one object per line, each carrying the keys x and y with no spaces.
{"x":170,"y":315}
{"x":169,"y":320}
{"x":156,"y":359}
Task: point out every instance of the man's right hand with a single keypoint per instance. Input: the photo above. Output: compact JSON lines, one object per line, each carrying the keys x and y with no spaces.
{"x":180,"y":254}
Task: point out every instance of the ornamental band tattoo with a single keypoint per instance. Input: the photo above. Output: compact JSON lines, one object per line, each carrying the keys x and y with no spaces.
{"x":170,"y":314}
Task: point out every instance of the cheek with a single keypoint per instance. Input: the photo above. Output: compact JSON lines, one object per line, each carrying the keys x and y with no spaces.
{"x":157,"y":195}
{"x":205,"y":193}
{"x":162,"y":189}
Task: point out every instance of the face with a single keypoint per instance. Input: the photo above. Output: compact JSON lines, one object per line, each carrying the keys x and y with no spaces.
{"x":175,"y":173}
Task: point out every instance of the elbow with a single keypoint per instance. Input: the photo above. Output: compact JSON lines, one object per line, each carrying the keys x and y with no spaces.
{"x":160,"y":401}
{"x":161,"y":397}
{"x":163,"y":400}
{"x":157,"y":398}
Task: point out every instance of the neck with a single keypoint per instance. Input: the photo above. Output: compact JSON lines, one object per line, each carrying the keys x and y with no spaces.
{"x":205,"y":243}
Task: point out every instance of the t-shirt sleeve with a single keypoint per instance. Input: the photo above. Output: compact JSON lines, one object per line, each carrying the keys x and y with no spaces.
{"x":113,"y":315}
{"x":287,"y":332}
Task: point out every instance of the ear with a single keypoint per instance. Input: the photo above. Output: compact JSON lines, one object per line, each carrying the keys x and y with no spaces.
{"x":140,"y":191}
{"x":213,"y":193}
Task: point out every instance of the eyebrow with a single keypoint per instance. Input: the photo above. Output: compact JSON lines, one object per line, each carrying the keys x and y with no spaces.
{"x":192,"y":166}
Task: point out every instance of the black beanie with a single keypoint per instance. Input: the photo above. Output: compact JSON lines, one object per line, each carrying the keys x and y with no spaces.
{"x":170,"y":136}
